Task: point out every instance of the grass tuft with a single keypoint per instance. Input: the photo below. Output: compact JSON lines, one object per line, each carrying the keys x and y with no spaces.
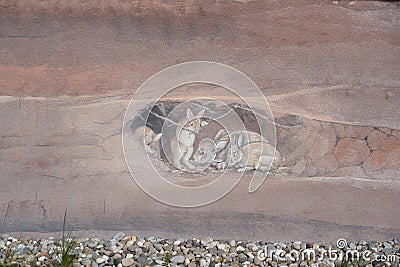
{"x":68,"y":245}
{"x":167,"y":259}
{"x":347,"y":263}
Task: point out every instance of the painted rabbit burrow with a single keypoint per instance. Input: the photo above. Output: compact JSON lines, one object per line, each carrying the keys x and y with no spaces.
{"x":304,"y":146}
{"x":191,"y":140}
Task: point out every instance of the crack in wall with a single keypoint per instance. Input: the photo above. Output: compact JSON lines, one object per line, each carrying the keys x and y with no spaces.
{"x":7,"y":211}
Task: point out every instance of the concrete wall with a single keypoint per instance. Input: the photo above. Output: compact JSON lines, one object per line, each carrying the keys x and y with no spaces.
{"x":69,"y":69}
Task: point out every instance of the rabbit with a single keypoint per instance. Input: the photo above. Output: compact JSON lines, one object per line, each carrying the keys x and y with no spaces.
{"x":181,"y":145}
{"x":150,"y":140}
{"x":223,"y":145}
{"x":254,"y":156}
{"x":205,"y":154}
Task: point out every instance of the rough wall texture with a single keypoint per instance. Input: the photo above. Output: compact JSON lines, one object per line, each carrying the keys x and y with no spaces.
{"x":317,"y":148}
{"x":69,"y":68}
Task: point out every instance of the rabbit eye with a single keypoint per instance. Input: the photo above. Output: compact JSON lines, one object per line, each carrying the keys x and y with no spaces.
{"x":192,"y":124}
{"x":201,"y":152}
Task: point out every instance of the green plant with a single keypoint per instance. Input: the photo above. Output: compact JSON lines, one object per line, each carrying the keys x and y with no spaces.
{"x":360,"y":263}
{"x":343,"y":263}
{"x":9,"y":260}
{"x":167,"y":259}
{"x":68,"y":244}
{"x":222,"y":259}
{"x":8,"y":264}
{"x":347,"y":263}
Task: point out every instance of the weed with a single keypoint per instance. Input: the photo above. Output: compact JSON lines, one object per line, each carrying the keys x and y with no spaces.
{"x":8,"y":264}
{"x":347,"y":263}
{"x":167,"y":259}
{"x":9,"y":257}
{"x":68,"y":244}
{"x":343,"y":263}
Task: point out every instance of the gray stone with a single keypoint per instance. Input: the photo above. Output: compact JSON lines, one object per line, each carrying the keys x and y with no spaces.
{"x":118,"y":236}
{"x":296,"y":245}
{"x":86,"y":262}
{"x":178,"y":259}
{"x":127,"y":262}
{"x":387,"y":245}
{"x":254,"y":248}
{"x":142,"y":260}
{"x":257,"y":261}
{"x":271,"y":247}
{"x":95,"y":239}
{"x":100,"y":260}
{"x":387,"y":250}
{"x":206,"y":240}
{"x":282,"y":245}
{"x":21,"y":249}
{"x":131,"y":248}
{"x":242,"y":258}
{"x":222,"y":246}
{"x":240,"y":249}
{"x":157,"y":246}
{"x":243,"y":254}
{"x":220,"y":252}
{"x":91,"y":245}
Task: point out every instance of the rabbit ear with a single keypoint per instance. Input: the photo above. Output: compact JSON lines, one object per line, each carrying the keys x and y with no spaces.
{"x":189,"y":114}
{"x":240,"y":140}
{"x":220,"y":134}
{"x":157,"y":137}
{"x":221,"y":144}
{"x":201,"y":113}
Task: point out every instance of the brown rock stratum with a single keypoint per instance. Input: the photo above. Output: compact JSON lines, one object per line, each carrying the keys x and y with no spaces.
{"x":69,"y":68}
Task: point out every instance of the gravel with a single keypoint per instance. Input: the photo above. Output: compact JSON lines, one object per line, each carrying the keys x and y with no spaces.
{"x":122,"y":251}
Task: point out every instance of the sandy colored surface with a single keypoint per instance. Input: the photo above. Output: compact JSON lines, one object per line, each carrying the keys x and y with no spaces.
{"x":68,"y":70}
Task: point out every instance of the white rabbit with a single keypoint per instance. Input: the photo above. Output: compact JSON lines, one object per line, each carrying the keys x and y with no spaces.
{"x":254,"y":155}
